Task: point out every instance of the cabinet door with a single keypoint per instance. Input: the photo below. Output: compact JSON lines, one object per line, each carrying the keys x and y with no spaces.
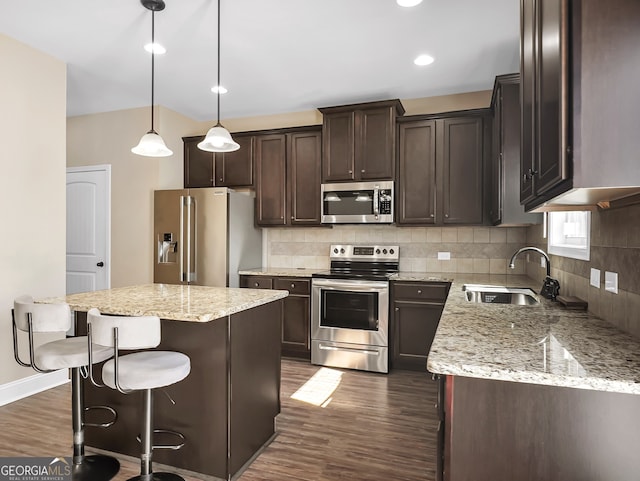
{"x":270,"y":179}
{"x":527,"y":97}
{"x":550,"y":164}
{"x":303,"y":177}
{"x":198,"y":164}
{"x":235,"y":169}
{"x":495,"y":209}
{"x":296,"y":326}
{"x":338,"y":157}
{"x":417,"y":172}
{"x":415,"y":326}
{"x":375,"y":146}
{"x":462,"y":170}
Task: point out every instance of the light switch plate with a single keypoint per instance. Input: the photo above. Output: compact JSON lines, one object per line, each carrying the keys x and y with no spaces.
{"x":444,"y":256}
{"x":611,"y":281}
{"x":595,"y":278}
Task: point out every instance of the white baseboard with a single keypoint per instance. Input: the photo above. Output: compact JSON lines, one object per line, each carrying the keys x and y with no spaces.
{"x":15,"y":390}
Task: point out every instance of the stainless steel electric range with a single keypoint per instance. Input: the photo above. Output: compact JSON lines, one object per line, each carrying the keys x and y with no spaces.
{"x":350,"y":308}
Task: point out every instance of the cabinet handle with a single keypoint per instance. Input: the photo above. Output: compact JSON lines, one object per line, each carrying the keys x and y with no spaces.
{"x":220,"y":179}
{"x":432,"y":216}
{"x":293,"y":285}
{"x":351,"y":171}
{"x":257,"y":284}
{"x":362,"y":171}
{"x":419,"y":291}
{"x":293,"y":218}
{"x":446,"y":216}
{"x":397,"y":309}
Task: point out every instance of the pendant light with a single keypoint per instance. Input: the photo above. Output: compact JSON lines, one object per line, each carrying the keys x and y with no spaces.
{"x":218,"y":138}
{"x":151,"y":144}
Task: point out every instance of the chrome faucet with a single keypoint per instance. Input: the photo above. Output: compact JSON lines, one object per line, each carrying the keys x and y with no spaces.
{"x":512,"y":264}
{"x":550,"y":286}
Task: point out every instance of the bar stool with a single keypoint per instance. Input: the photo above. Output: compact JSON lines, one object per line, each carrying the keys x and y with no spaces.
{"x":140,"y":371}
{"x":69,"y":353}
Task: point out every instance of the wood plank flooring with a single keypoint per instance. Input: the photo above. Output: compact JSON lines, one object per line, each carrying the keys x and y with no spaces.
{"x":373,"y":427}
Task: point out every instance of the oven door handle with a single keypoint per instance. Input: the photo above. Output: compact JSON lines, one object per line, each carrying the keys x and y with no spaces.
{"x":324,"y":347}
{"x":349,"y":285}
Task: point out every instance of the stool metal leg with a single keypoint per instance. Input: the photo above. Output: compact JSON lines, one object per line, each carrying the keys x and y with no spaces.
{"x":86,"y":468}
{"x":146,"y":438}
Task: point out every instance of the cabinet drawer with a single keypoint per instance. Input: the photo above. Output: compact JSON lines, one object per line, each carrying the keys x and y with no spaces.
{"x":293,"y":285}
{"x":256,"y":282}
{"x":413,"y":291}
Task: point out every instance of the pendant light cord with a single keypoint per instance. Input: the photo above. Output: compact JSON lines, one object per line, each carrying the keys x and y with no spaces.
{"x":153,"y":57}
{"x":219,"y":86}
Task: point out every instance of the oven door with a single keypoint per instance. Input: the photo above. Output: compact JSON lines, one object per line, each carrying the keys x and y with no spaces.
{"x":350,"y":311}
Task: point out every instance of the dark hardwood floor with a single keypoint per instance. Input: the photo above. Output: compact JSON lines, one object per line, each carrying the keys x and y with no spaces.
{"x":372,"y":427}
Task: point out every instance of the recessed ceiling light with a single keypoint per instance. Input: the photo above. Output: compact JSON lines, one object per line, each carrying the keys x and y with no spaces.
{"x":423,"y":60}
{"x":219,"y":89}
{"x":408,"y":3}
{"x":155,"y":48}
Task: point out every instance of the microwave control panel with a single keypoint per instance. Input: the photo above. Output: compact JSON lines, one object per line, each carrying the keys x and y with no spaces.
{"x":385,"y":201}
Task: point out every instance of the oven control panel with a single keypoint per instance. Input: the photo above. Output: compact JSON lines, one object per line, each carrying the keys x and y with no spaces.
{"x":365,"y":252}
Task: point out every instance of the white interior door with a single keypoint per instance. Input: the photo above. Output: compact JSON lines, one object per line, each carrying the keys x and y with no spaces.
{"x":88,"y":228}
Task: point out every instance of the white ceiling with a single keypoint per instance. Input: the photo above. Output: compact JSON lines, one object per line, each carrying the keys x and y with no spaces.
{"x":277,"y":55}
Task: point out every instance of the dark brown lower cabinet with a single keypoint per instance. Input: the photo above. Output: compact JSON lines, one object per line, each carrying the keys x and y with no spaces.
{"x":417,"y":307}
{"x":500,"y":430}
{"x":296,"y":312}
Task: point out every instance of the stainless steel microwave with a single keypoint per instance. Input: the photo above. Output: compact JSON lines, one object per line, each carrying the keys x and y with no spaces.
{"x":357,"y":203}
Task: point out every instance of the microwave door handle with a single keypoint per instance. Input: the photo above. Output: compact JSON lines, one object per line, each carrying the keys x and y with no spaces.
{"x":376,"y":196}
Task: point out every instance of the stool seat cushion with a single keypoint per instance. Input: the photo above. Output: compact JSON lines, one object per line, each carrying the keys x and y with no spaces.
{"x":68,"y":353}
{"x":147,"y":370}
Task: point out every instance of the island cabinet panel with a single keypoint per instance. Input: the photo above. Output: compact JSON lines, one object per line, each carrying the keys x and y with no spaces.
{"x":441,"y":163}
{"x":296,"y":313}
{"x":417,"y":308}
{"x":359,"y":141}
{"x":225,"y":407}
{"x":229,"y":169}
{"x":507,"y":430}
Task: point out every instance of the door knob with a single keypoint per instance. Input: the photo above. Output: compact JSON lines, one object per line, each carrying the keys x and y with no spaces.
{"x":100,"y":264}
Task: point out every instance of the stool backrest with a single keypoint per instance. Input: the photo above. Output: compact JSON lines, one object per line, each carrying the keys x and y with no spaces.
{"x":140,"y":332}
{"x":44,"y":317}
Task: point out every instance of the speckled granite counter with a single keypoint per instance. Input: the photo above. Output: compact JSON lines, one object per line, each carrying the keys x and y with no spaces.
{"x":174,"y":302}
{"x":279,"y":271}
{"x":541,"y":344}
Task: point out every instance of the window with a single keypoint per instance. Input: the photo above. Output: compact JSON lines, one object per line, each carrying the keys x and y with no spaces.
{"x":569,"y":234}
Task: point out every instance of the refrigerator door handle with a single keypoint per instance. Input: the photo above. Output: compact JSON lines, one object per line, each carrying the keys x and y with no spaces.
{"x":183,"y":276}
{"x":191,"y":239}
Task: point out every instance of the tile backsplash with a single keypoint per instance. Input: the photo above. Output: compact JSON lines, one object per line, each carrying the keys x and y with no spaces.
{"x":615,"y":247}
{"x":481,"y":250}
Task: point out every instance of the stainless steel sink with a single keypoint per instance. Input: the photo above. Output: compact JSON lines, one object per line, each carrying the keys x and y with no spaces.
{"x":500,"y":295}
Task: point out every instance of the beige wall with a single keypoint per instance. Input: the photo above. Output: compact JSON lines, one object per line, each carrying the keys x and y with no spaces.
{"x":107,"y":138}
{"x":32,"y":184}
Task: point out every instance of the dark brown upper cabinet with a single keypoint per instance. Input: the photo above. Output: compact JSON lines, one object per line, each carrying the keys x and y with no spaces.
{"x":441,"y":169}
{"x":579,"y":121}
{"x":359,"y":141}
{"x":504,"y":173}
{"x":288,"y":177}
{"x":229,"y":169}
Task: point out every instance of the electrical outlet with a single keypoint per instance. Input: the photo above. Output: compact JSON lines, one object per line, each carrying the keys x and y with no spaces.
{"x":444,"y":256}
{"x":595,"y":278}
{"x":611,"y":281}
{"x":543,"y":262}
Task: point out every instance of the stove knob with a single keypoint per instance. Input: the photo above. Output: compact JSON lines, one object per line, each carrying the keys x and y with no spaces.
{"x":342,"y":251}
{"x":384,"y":251}
{"x":335,"y":251}
{"x":391,"y":251}
{"x":377,"y":251}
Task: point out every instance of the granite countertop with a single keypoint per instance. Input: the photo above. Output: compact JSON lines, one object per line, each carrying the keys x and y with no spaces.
{"x":279,"y":271}
{"x":541,"y":344}
{"x":174,"y":302}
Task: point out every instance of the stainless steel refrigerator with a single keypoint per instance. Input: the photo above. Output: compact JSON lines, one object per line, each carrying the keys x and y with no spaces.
{"x":204,"y":236}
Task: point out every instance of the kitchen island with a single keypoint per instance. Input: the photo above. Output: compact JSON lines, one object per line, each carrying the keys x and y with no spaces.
{"x":226,"y":407}
{"x":534,"y":392}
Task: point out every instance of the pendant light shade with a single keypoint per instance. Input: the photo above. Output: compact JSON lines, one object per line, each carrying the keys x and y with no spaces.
{"x":151,"y":144}
{"x":218,"y":138}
